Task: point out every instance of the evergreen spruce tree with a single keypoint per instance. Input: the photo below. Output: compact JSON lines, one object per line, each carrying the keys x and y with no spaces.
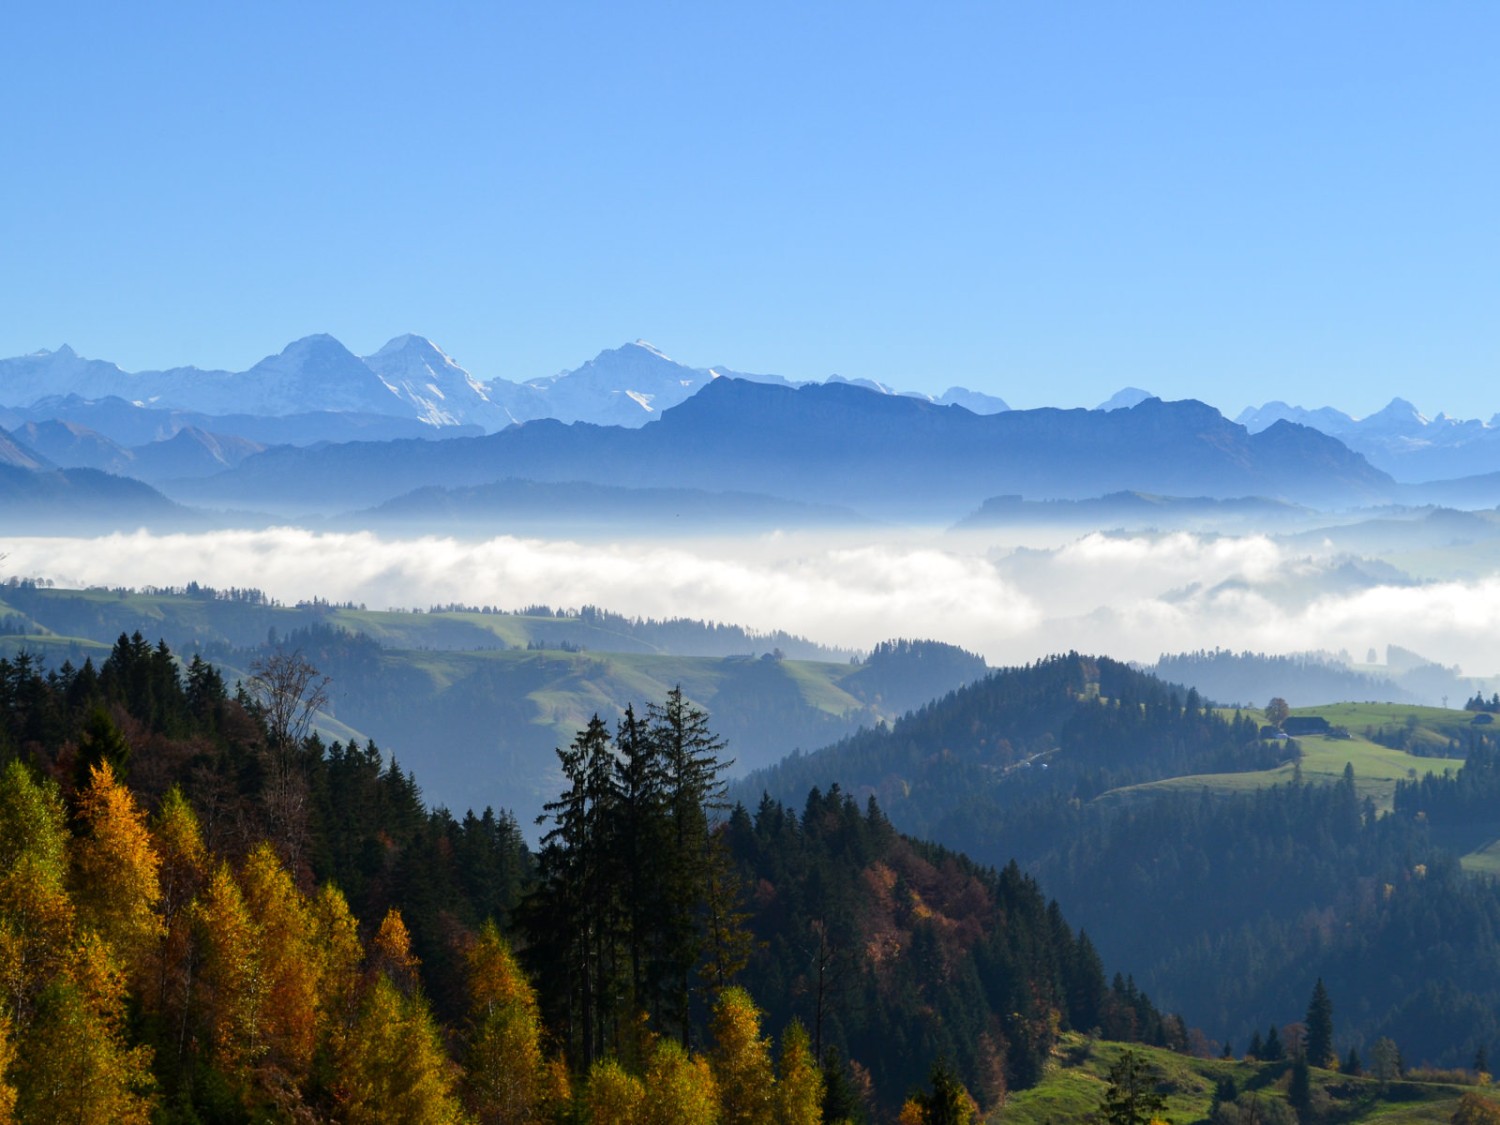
{"x":1319,"y":1022}
{"x":693,"y":791}
{"x":1352,"y":1066}
{"x":574,"y":914}
{"x":947,"y":1104}
{"x":841,"y":1104}
{"x":643,"y":839}
{"x":1132,"y":1097}
{"x":1273,"y":1050}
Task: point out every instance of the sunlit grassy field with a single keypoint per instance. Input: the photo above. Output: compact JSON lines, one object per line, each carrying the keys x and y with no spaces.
{"x":1077,"y":1078}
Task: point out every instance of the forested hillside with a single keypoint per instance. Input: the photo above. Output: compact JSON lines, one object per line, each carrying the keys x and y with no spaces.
{"x":1227,"y":886}
{"x":207,"y":913}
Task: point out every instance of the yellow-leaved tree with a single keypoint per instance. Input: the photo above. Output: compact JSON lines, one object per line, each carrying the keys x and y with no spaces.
{"x":391,"y":1062}
{"x":680,"y":1088}
{"x":289,"y":969}
{"x":799,"y":1085}
{"x":506,"y":1075}
{"x":116,"y":884}
{"x":63,"y":990}
{"x":391,"y":955}
{"x":7,"y":1091}
{"x":1475,"y":1110}
{"x":233,"y":984}
{"x":335,"y":936}
{"x":36,"y":913}
{"x":612,"y":1095}
{"x":741,"y":1060}
{"x":168,"y":992}
{"x":74,"y":1063}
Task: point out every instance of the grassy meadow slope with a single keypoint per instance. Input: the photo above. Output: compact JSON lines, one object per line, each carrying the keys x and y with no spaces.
{"x":1377,"y":768}
{"x":1075,"y":1082}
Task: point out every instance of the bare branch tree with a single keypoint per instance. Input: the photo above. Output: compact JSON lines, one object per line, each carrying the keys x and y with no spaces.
{"x":290,"y":691}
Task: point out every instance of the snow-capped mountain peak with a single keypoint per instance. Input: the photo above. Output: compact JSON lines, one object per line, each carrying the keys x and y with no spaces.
{"x":653,"y":349}
{"x":420,"y":373}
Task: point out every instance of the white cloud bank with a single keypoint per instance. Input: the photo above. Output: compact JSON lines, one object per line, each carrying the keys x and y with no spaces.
{"x":1129,"y":597}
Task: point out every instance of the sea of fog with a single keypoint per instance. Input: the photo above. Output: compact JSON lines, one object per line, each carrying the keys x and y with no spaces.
{"x":1132,"y":597}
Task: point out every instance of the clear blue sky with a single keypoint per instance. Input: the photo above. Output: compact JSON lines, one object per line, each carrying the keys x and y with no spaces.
{"x":1046,"y":201}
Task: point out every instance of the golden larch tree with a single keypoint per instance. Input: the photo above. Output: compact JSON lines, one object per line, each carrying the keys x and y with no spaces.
{"x":335,"y":937}
{"x":289,"y":963}
{"x":680,"y":1088}
{"x":506,"y":1078}
{"x":392,"y":1065}
{"x":184,"y":871}
{"x":741,"y":1060}
{"x":36,"y":912}
{"x":234,"y":984}
{"x":799,"y":1085}
{"x":391,"y":955}
{"x":7,"y":1090}
{"x":74,"y":1064}
{"x":116,"y":884}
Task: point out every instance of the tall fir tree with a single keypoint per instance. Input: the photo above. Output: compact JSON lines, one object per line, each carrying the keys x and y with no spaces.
{"x":578,"y":898}
{"x":1319,"y":1023}
{"x":693,"y":790}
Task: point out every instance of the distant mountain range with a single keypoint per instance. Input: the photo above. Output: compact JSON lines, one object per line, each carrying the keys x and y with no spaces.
{"x":883,"y":455}
{"x":409,"y":378}
{"x":1398,"y":439}
{"x":316,"y":430}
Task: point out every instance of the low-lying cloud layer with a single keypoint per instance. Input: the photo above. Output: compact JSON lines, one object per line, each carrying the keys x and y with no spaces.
{"x":1130,"y":597}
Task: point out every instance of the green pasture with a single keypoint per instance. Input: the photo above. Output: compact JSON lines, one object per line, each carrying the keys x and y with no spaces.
{"x":1078,"y":1075}
{"x":1377,"y":768}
